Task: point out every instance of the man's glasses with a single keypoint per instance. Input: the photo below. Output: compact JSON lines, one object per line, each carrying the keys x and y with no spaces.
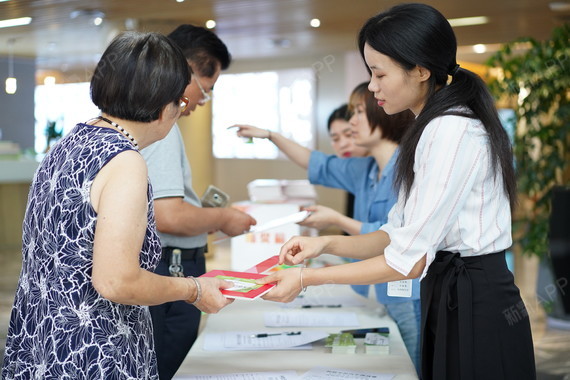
{"x":206,"y":97}
{"x":184,"y":102}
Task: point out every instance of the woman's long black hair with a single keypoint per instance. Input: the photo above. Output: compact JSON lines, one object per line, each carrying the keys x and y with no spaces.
{"x":419,"y":35}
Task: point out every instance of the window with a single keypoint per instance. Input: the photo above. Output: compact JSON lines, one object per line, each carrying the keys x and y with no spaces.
{"x":281,"y":101}
{"x":64,"y":104}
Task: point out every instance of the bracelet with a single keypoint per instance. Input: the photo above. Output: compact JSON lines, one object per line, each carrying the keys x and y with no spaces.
{"x":269,"y":135}
{"x":303,"y":288}
{"x":198,"y":290}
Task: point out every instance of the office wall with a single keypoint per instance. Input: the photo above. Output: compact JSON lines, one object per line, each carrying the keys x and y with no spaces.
{"x":17,"y":110}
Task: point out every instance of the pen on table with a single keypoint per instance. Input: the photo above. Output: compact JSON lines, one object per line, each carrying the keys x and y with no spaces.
{"x":313,"y":306}
{"x":265,"y":335}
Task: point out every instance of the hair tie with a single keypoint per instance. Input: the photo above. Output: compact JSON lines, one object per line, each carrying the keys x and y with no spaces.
{"x":453,"y":71}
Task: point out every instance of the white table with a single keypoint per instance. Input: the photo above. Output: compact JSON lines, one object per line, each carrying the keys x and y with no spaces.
{"x":248,"y":316}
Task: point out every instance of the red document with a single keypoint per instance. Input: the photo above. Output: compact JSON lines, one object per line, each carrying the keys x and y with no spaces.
{"x":244,"y":284}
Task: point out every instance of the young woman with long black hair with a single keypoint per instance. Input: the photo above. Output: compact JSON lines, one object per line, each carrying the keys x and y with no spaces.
{"x":452,"y":222}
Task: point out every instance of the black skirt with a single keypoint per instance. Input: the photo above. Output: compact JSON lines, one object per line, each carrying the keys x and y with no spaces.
{"x":474,"y":323}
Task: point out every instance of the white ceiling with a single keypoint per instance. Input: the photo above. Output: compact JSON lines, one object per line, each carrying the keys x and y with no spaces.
{"x":252,"y":29}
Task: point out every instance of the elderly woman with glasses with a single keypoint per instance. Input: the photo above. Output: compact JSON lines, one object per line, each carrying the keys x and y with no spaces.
{"x":90,"y":241}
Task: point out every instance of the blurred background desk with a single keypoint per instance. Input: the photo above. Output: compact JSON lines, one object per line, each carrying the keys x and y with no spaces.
{"x":248,"y":316}
{"x":15,"y":178}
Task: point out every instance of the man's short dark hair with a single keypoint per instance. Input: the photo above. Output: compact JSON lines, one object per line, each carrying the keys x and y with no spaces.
{"x":341,"y":113}
{"x":203,"y":48}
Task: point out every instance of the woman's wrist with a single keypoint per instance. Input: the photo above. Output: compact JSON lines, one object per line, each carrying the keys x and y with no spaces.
{"x":197,"y":290}
{"x":307,"y":278}
{"x":339,"y":220}
{"x":328,"y":242}
{"x":303,"y":284}
{"x":268,"y":137}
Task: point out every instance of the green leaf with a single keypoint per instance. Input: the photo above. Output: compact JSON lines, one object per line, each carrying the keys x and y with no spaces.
{"x":544,"y":118}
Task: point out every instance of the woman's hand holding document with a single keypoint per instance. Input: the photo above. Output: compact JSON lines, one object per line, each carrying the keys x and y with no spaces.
{"x":293,"y":218}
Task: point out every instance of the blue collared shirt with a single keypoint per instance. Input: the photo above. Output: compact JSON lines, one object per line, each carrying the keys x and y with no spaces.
{"x":373,"y":199}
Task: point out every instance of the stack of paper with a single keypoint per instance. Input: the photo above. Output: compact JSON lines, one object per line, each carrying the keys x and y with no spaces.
{"x":341,"y":343}
{"x":281,"y":190}
{"x":377,"y":343}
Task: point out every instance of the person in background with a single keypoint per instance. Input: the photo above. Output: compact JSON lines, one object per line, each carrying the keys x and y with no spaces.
{"x":371,"y":180}
{"x":89,"y":236}
{"x":343,"y":144}
{"x":183,"y":224}
{"x":452,"y":222}
{"x":340,"y":132}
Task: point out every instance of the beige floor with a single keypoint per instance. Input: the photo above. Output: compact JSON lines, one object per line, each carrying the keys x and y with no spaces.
{"x":552,"y":346}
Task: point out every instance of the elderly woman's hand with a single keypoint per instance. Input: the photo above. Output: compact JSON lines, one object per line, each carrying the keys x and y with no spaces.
{"x":211,"y":298}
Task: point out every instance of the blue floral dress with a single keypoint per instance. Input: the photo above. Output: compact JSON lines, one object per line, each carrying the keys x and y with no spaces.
{"x":60,"y":327}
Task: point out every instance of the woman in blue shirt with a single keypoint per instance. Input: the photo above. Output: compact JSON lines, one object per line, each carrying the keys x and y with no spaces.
{"x":370,"y":179}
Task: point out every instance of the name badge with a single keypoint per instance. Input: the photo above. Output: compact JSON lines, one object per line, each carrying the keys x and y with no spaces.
{"x":401,"y":288}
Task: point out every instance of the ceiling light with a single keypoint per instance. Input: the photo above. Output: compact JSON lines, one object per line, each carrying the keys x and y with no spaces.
{"x":11,"y":85}
{"x":210,"y":24}
{"x":468,"y":21}
{"x":479,"y":48}
{"x":131,"y":23}
{"x":179,"y":1}
{"x":15,"y":22}
{"x":49,"y":80}
{"x":315,"y":23}
{"x":559,"y":6}
{"x":96,"y":16}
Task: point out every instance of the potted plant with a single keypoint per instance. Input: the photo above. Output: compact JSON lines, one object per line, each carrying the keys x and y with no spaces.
{"x":52,"y":134}
{"x":535,"y":83}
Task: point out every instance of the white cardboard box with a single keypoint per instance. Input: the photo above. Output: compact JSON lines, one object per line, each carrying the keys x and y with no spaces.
{"x":249,"y":249}
{"x":281,"y":190}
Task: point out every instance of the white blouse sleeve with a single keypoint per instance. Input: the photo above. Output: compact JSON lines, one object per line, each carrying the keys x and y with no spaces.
{"x":450,"y":156}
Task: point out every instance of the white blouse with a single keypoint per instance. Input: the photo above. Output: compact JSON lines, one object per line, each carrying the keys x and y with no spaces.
{"x":456,"y":204}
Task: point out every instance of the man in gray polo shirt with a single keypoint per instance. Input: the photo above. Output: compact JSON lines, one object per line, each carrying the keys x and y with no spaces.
{"x":182,"y":223}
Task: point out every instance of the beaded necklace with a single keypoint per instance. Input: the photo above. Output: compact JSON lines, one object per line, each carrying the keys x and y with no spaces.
{"x":127,"y":134}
